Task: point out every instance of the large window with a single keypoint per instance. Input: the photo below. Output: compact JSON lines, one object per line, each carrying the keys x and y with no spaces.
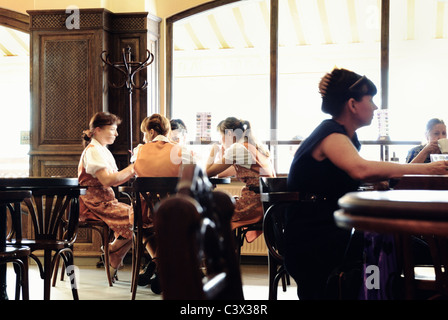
{"x":314,"y":37}
{"x":418,"y":67}
{"x":221,"y":68}
{"x":232,"y":59}
{"x":15,"y":106}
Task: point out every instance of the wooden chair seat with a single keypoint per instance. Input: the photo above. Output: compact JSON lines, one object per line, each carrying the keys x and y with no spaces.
{"x":18,"y":255}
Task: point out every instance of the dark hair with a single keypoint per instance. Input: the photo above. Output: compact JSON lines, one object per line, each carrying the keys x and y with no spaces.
{"x":99,"y":120}
{"x":431,"y":123}
{"x":337,"y":87}
{"x":159,"y":124}
{"x":178,"y":124}
{"x":241,"y":129}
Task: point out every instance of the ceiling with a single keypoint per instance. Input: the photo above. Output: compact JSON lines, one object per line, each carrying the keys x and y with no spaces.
{"x":245,"y":24}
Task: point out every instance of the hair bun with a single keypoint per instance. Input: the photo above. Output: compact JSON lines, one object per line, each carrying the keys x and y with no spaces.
{"x":323,"y":84}
{"x":87,"y":135}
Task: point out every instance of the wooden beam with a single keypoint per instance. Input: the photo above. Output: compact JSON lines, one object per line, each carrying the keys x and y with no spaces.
{"x":274,"y":64}
{"x":410,"y":20}
{"x":385,"y":27}
{"x":296,"y":21}
{"x":217,"y":31}
{"x":193,"y":36}
{"x":440,"y":20}
{"x":324,"y":21}
{"x":240,"y":22}
{"x":274,"y":74}
{"x":6,"y":51}
{"x":22,"y":43}
{"x":354,"y":28}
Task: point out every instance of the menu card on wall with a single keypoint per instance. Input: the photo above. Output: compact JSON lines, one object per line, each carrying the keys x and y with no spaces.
{"x":203,"y":126}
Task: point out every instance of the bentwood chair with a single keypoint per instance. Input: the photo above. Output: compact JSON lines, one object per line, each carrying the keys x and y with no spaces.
{"x":17,"y":254}
{"x":196,"y":250}
{"x":275,"y":199}
{"x":106,"y":234}
{"x":147,"y":192}
{"x":47,"y":208}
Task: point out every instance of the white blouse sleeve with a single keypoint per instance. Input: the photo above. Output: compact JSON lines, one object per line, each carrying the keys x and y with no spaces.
{"x":239,"y":155}
{"x":94,"y":161}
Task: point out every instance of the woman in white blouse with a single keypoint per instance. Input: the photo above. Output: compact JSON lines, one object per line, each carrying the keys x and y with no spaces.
{"x":98,"y":171}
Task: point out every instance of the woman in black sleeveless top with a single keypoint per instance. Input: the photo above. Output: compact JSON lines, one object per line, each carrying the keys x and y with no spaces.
{"x":325,"y":167}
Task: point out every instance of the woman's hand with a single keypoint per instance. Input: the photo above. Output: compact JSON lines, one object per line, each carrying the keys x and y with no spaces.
{"x":215,"y":168}
{"x":214,"y":151}
{"x":438,"y":167}
{"x":431,"y":148}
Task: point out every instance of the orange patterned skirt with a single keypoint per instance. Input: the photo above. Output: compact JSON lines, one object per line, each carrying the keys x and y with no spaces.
{"x":99,"y":203}
{"x":248,"y":210}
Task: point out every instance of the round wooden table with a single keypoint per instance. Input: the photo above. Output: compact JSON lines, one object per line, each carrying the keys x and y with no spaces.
{"x":402,"y":213}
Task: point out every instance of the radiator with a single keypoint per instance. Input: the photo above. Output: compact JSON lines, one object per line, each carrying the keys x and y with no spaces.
{"x":255,"y":248}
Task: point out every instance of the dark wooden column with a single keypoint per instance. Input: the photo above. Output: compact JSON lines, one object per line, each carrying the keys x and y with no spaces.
{"x":69,"y":82}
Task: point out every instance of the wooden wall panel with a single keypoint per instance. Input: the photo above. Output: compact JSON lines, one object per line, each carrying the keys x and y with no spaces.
{"x":65,"y":85}
{"x":70,"y":83}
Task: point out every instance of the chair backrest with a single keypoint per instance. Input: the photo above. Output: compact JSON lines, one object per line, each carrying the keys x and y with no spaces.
{"x":278,"y":184}
{"x":11,"y":199}
{"x":152,"y":190}
{"x":274,"y":214}
{"x":193,"y":232}
{"x":12,"y":196}
{"x":50,"y":207}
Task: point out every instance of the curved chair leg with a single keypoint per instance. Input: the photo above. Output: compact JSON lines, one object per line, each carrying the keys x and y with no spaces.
{"x":105,"y":239}
{"x":18,"y":270}
{"x":272,"y":280}
{"x":67,"y":256}
{"x":136,"y":261}
{"x":22,"y":282}
{"x":25,"y":280}
{"x":47,"y":272}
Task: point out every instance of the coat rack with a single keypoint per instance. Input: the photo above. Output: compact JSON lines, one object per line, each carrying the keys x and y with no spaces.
{"x":129,"y":69}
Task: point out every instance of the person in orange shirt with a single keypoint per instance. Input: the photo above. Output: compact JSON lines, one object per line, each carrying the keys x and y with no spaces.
{"x":158,"y":157}
{"x":250,"y":162}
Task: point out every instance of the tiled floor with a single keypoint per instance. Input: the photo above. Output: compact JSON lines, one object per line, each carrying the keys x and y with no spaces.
{"x":92,"y":285}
